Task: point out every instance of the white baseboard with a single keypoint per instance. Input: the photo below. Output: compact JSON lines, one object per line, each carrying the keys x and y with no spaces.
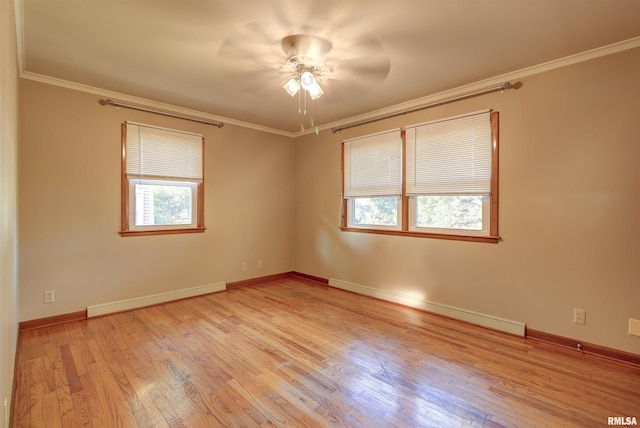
{"x":154,"y":299}
{"x":484,"y":320}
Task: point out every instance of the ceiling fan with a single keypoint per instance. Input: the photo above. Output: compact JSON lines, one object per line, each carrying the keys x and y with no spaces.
{"x":304,"y":64}
{"x":264,"y":58}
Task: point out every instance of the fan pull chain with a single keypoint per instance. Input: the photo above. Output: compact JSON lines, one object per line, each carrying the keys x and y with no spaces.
{"x":305,"y":102}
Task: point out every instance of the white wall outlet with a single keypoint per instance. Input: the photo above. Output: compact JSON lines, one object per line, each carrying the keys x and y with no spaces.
{"x":244,"y":266}
{"x":48,"y":296}
{"x":634,"y":327}
{"x":259,"y":264}
{"x":6,"y":413}
{"x":579,"y":316}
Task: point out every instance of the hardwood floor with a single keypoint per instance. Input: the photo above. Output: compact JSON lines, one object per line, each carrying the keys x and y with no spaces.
{"x":289,"y":353}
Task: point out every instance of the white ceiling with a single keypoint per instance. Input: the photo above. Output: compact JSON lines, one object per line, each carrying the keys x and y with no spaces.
{"x":223,"y":57}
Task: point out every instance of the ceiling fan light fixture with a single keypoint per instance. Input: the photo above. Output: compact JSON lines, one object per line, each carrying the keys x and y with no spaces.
{"x":292,"y":87}
{"x":304,"y":64}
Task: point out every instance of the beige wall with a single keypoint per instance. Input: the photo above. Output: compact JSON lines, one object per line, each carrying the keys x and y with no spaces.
{"x":69,"y":207}
{"x":569,"y":210}
{"x":8,"y":187}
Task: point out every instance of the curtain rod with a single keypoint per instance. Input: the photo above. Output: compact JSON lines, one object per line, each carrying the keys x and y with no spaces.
{"x":164,"y":113}
{"x":503,"y":87}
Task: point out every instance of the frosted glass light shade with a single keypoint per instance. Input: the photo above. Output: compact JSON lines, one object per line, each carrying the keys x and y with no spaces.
{"x":315,"y":91}
{"x":307,"y":80}
{"x":292,"y":87}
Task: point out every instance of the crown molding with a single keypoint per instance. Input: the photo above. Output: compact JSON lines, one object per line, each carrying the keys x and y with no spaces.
{"x":482,"y":84}
{"x":18,"y":10}
{"x":143,"y":102}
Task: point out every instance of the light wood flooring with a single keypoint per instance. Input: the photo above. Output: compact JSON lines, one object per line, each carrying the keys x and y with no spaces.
{"x":291,"y":354}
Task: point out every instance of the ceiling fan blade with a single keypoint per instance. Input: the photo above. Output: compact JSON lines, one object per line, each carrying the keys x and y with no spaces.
{"x":355,"y":68}
{"x":357,"y":65}
{"x":306,"y":45}
{"x":365,"y":45}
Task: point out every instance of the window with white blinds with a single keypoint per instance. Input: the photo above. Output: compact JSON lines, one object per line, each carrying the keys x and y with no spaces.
{"x":450,"y":157}
{"x":162,"y":181}
{"x":435,"y":179}
{"x":373,"y":165}
{"x":160,"y":153}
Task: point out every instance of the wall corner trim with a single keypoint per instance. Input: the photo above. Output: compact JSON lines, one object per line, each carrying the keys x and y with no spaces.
{"x":154,"y":299}
{"x":471,"y":317}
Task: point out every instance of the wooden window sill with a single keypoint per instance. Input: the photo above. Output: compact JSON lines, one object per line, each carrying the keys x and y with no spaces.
{"x":485,"y":239}
{"x":125,"y":233}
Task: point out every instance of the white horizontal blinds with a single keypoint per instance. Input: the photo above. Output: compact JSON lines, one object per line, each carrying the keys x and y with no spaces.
{"x":373,"y":165}
{"x":160,"y":153}
{"x":450,"y":157}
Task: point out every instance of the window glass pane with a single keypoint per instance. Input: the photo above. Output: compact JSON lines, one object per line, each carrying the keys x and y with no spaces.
{"x":375,"y":211}
{"x":449,"y":212}
{"x":164,"y":204}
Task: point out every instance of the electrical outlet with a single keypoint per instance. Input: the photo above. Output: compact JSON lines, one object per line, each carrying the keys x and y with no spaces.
{"x":6,"y":413}
{"x":259,"y":264}
{"x":579,"y":316}
{"x":48,"y":296}
{"x":634,"y":327}
{"x":244,"y":266}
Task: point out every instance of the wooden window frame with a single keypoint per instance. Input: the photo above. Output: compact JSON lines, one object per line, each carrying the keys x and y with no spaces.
{"x":493,"y":236}
{"x":124,"y":202}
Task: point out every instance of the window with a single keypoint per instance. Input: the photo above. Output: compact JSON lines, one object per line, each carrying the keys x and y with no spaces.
{"x":373,"y":180}
{"x":448,"y":181}
{"x":162,"y":181}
